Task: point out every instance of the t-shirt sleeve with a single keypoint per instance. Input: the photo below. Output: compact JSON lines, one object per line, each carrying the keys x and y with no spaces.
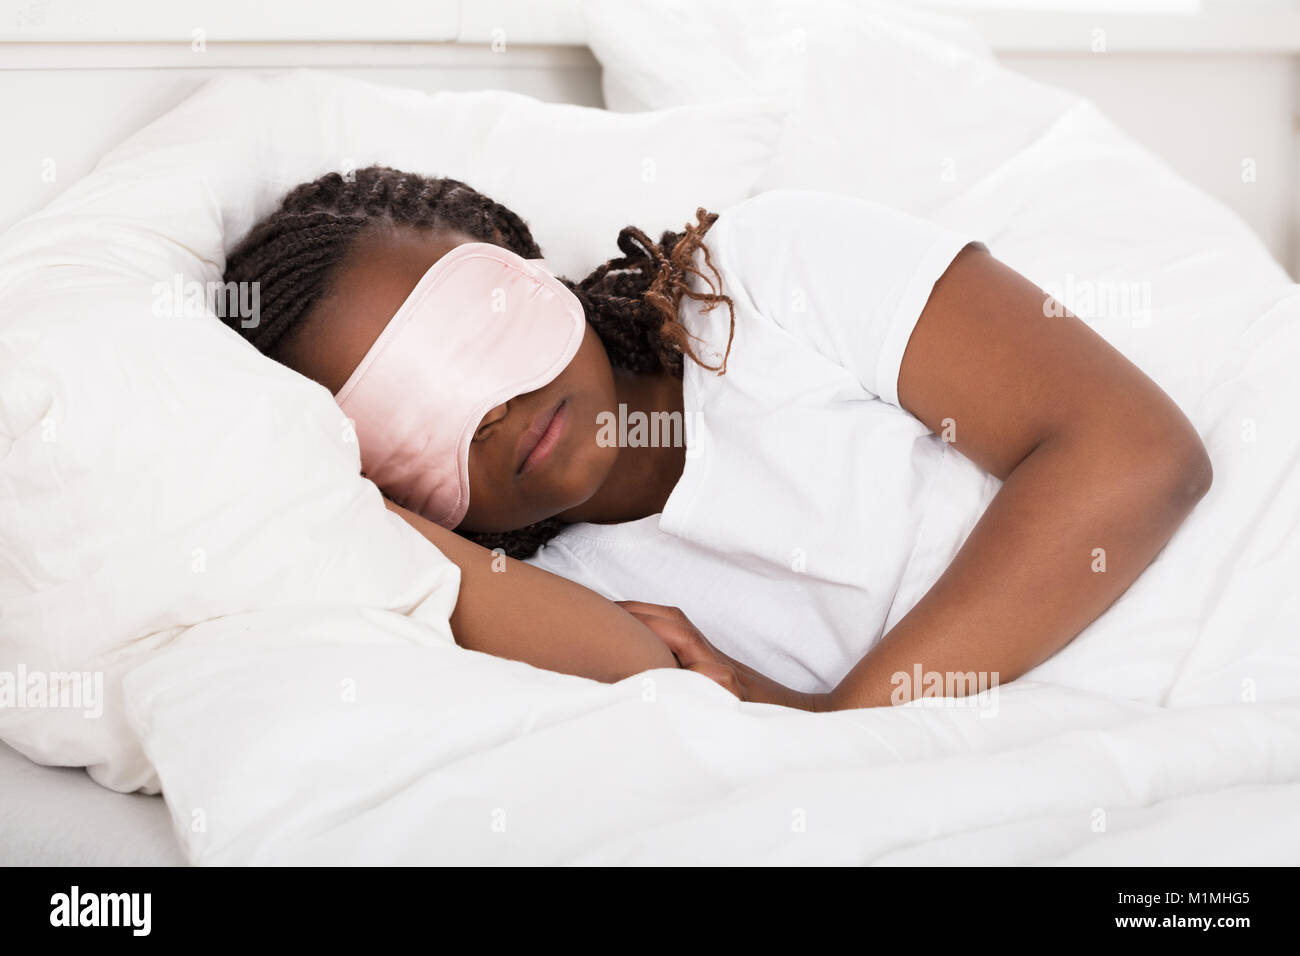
{"x":847,"y":276}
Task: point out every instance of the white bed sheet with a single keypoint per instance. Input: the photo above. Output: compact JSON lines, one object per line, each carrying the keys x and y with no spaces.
{"x":58,"y":816}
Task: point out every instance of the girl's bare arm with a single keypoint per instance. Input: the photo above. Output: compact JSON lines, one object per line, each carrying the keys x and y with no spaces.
{"x":510,"y":609}
{"x":1099,"y":468}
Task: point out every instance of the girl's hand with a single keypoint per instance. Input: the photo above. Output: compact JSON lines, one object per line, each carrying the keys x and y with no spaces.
{"x":691,"y":648}
{"x":694,"y":652}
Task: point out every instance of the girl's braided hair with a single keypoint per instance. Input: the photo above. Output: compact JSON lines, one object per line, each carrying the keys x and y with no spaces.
{"x":631,"y":301}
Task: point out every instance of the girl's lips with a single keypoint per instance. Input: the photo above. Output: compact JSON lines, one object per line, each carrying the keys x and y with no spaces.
{"x":536,"y":444}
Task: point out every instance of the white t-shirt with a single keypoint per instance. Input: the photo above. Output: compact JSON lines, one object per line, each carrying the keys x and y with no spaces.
{"x":813,"y":511}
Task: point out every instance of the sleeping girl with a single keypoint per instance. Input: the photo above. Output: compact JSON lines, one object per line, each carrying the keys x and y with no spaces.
{"x":815,"y":370}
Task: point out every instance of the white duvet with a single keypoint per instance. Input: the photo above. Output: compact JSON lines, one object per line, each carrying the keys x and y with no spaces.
{"x":1169,"y":732}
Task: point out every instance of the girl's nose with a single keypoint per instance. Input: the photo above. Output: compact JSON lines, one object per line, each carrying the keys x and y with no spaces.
{"x":493,"y":416}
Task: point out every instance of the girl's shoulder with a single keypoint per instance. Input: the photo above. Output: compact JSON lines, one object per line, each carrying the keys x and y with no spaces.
{"x":804,"y":210}
{"x":843,"y":276}
{"x":783,"y":236}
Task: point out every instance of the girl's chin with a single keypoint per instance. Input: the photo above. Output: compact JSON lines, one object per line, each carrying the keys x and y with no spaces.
{"x":571,"y":482}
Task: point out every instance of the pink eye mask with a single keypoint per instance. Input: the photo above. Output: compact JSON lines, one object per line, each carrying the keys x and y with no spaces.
{"x":481,"y":327}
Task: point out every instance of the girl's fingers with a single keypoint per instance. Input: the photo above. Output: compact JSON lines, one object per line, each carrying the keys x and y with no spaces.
{"x":665,"y":618}
{"x":668,"y":632}
{"x":720,"y":674}
{"x":683,"y":641}
{"x":640,"y":608}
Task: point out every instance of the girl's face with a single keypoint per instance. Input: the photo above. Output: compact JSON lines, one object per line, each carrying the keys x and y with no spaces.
{"x":532,"y":457}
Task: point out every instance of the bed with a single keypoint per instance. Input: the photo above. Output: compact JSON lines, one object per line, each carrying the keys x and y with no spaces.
{"x":58,"y":816}
{"x":280,"y":683}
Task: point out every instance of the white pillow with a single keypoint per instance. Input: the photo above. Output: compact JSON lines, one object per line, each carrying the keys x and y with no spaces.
{"x":894,"y":105}
{"x":575,"y":174}
{"x":156,"y":472}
